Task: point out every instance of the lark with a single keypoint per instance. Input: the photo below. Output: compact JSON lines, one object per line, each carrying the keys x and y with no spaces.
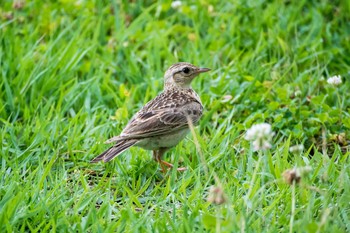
{"x":164,"y":121}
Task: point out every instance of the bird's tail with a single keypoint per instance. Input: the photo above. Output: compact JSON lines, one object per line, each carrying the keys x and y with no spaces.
{"x":114,"y":151}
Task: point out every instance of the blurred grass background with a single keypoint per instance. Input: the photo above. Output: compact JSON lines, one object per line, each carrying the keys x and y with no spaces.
{"x":74,"y":72}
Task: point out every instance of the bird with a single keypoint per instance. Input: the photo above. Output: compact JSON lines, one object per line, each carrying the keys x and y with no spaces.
{"x":164,"y":121}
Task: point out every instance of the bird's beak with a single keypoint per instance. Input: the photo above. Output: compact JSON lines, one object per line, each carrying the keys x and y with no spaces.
{"x":202,"y":70}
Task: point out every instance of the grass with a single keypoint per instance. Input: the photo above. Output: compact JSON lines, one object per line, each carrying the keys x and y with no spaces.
{"x":73,"y":73}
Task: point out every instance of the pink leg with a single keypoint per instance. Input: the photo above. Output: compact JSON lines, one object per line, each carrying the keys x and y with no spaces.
{"x":157,"y":155}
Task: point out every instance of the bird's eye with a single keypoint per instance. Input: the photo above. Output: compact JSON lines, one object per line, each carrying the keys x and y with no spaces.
{"x":186,"y":70}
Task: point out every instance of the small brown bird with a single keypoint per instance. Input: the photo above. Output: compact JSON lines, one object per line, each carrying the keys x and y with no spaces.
{"x":163,"y":122}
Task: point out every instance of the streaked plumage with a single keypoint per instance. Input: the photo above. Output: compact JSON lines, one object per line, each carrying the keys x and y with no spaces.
{"x":163,"y":122}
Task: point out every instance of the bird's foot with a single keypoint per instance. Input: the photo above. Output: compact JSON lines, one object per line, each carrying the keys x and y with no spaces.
{"x":169,"y":165}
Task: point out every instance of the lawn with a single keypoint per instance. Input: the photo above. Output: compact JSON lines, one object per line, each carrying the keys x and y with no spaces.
{"x":72,"y":73}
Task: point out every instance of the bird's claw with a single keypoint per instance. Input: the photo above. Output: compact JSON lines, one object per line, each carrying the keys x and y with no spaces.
{"x":169,"y":165}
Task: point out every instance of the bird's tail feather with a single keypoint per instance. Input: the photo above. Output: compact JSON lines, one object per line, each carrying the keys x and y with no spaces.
{"x":114,"y":151}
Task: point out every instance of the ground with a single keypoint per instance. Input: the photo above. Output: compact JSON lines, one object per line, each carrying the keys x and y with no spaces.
{"x":74,"y":72}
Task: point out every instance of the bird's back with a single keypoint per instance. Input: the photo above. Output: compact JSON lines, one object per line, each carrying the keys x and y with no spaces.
{"x":169,"y":110}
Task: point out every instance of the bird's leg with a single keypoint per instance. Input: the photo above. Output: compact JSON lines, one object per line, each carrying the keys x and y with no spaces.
{"x":158,"y":157}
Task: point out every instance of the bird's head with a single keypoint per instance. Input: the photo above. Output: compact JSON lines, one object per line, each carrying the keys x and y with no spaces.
{"x":180,"y":75}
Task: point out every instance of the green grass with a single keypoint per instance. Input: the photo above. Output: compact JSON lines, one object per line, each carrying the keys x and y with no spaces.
{"x":73,"y":73}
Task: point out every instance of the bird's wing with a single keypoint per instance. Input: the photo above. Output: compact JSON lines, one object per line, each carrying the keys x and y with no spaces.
{"x":160,"y":116}
{"x":155,"y":123}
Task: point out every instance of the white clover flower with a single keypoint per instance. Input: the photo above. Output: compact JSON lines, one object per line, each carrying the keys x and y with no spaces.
{"x":261,"y":135}
{"x":261,"y":144}
{"x":176,"y":4}
{"x":296,"y":148}
{"x":335,"y":80}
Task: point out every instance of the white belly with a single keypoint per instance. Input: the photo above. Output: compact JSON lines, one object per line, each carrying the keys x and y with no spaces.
{"x":165,"y":141}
